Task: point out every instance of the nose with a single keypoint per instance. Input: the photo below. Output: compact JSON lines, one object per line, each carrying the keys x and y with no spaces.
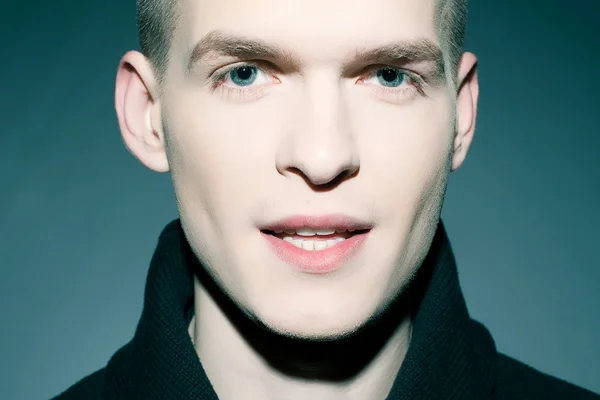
{"x":320,"y":146}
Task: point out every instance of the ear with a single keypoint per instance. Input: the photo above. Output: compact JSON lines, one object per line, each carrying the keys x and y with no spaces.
{"x":138,"y":109}
{"x":466,"y":108}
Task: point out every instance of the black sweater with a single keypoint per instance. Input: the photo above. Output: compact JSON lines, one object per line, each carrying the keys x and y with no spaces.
{"x":450,"y":355}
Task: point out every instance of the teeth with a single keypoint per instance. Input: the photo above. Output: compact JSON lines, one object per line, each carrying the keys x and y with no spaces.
{"x":308,"y":245}
{"x":313,"y":232}
{"x":320,"y":245}
{"x":313,"y":245}
{"x":325,"y":232}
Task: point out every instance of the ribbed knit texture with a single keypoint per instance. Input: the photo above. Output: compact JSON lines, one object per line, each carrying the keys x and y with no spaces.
{"x":161,"y":362}
{"x":450,"y":356}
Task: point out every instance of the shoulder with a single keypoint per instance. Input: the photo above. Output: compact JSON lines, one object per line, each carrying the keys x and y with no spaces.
{"x":89,"y":388}
{"x":517,"y":380}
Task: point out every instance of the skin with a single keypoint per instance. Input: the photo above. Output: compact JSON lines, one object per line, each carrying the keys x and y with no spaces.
{"x":315,"y":134}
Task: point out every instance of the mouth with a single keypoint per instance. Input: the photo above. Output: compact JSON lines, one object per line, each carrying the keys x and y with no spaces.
{"x":316,"y":245}
{"x":314,"y":239}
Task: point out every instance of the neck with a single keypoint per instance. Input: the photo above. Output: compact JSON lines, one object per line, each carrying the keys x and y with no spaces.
{"x":268,"y":366}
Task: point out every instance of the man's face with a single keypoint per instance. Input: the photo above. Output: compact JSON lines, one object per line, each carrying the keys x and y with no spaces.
{"x":287,"y":109}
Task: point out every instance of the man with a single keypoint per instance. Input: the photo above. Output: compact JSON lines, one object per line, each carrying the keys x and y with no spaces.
{"x":309,"y":145}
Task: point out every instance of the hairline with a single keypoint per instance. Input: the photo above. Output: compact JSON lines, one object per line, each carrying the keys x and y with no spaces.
{"x":450,"y":53}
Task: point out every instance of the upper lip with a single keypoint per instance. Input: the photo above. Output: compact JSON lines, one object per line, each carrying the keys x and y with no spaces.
{"x":339,"y":222}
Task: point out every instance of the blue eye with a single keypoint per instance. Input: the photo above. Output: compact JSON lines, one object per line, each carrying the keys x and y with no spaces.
{"x":391,"y":77}
{"x":244,"y":75}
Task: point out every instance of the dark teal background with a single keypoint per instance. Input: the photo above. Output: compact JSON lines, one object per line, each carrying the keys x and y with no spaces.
{"x":80,"y":216}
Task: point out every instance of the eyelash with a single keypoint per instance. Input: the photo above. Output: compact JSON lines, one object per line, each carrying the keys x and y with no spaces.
{"x":236,"y":93}
{"x":415,"y":82}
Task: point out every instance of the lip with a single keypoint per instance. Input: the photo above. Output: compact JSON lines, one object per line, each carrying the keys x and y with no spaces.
{"x":334,"y":221}
{"x":319,"y":261}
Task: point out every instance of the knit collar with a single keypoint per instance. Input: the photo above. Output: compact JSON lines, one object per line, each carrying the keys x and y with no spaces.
{"x":450,"y":356}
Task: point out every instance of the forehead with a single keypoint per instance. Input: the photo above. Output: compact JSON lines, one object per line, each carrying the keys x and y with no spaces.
{"x":319,"y":29}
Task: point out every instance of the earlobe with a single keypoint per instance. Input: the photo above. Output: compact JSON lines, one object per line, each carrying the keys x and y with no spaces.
{"x":138,"y":110}
{"x":466,"y":108}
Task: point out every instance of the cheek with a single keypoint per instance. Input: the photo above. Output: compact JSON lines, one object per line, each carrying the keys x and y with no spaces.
{"x":205,"y":133}
{"x":217,"y":149}
{"x":224,"y":133}
{"x":405,"y":148}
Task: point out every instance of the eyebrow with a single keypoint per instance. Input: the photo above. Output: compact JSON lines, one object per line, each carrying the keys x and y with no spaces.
{"x":217,"y":44}
{"x":406,"y":51}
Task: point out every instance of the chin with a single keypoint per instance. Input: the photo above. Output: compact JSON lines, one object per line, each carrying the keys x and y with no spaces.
{"x":313,"y":322}
{"x":312,"y":331}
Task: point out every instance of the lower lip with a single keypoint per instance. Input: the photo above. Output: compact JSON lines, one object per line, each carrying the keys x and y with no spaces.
{"x":317,"y":261}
